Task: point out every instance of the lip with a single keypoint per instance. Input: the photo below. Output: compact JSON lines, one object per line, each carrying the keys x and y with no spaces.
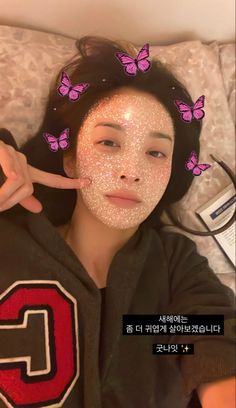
{"x":124,"y":195}
{"x":123,"y":202}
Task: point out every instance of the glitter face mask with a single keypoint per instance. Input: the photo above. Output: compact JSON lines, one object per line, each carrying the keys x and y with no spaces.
{"x":124,"y":160}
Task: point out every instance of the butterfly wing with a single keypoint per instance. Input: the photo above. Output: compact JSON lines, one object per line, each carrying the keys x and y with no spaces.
{"x":65,"y":84}
{"x":204,"y":166}
{"x":198,"y":113}
{"x":143,"y":53}
{"x":185,"y":110}
{"x":197,"y":171}
{"x":64,"y":139}
{"x":128,"y":62}
{"x":200,"y":102}
{"x":125,"y":59}
{"x":52,"y":141}
{"x":65,"y":80}
{"x":142,"y":62}
{"x":144,"y":65}
{"x":131,"y":69}
{"x":192,"y":161}
{"x":76,"y":90}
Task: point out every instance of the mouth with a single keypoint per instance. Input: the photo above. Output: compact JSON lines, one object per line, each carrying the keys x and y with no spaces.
{"x":122,"y":202}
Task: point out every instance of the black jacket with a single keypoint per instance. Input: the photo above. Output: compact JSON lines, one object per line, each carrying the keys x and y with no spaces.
{"x":50,"y":312}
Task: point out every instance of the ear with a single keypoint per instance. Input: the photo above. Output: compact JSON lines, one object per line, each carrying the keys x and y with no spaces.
{"x":69,"y":166}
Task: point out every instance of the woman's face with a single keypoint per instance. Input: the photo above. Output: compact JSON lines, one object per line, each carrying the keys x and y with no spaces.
{"x":117,"y":150}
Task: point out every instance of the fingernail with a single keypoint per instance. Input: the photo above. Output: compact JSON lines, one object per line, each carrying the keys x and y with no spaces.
{"x":87,"y":181}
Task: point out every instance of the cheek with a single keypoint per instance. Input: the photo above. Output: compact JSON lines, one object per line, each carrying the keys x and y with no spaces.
{"x":160,"y":176}
{"x":165,"y":173}
{"x":90,"y":165}
{"x":85,"y":158}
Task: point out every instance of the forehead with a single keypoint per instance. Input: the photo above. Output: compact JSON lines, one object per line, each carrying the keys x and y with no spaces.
{"x":132,"y":109}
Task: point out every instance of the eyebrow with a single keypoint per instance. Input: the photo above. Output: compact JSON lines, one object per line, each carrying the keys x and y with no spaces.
{"x":156,"y":135}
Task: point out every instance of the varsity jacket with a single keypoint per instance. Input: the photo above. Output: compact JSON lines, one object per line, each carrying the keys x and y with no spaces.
{"x":58,"y":350}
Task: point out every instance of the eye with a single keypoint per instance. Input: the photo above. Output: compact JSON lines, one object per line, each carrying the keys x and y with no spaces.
{"x":152,"y":151}
{"x":155,"y":151}
{"x":105,"y":141}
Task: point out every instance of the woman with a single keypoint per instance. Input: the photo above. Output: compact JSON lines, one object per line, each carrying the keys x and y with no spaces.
{"x":126,"y":136}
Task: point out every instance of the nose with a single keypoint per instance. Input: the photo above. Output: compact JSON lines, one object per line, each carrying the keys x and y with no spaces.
{"x":129,"y":177}
{"x":130,"y":170}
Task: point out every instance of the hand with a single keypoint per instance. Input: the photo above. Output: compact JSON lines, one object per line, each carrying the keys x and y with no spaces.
{"x":220,"y":394}
{"x":18,"y":188}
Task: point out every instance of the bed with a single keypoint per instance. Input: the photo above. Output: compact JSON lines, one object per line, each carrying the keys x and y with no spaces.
{"x":29,"y":60}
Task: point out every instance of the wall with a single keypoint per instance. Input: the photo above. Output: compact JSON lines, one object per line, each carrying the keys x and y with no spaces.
{"x":155,"y":21}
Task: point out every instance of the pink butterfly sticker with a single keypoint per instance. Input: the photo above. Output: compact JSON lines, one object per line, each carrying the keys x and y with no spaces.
{"x":192,"y":165}
{"x":73,"y":91}
{"x":188,"y":112}
{"x":55,"y":143}
{"x":131,"y":65}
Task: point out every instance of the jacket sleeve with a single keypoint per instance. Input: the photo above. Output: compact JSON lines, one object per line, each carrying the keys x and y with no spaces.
{"x":6,"y":137}
{"x":195,"y":289}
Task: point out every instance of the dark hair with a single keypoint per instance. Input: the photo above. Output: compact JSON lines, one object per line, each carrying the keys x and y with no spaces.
{"x":96,"y":61}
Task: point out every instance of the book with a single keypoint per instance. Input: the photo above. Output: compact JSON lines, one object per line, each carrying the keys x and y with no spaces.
{"x":215,"y":213}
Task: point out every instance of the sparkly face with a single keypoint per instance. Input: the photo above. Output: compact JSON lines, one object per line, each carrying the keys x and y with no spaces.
{"x":129,"y":159}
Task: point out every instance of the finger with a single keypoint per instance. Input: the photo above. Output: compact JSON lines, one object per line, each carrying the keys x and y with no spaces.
{"x":29,"y":203}
{"x":20,"y":194}
{"x":13,"y":183}
{"x":23,"y":195}
{"x":32,"y":204}
{"x":55,"y":180}
{"x":8,"y":160}
{"x":9,"y":187}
